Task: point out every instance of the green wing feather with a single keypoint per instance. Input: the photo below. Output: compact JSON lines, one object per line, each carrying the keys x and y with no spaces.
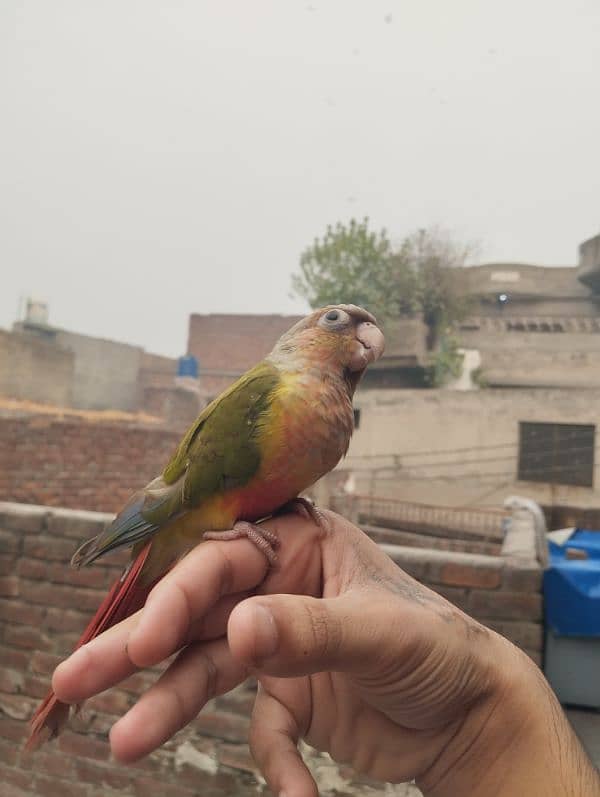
{"x":221,"y":442}
{"x":219,"y":452}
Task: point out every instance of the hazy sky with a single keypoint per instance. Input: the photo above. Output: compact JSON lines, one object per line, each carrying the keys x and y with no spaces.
{"x":162,"y":158}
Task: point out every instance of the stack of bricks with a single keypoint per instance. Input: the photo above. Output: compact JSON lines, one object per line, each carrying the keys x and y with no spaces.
{"x":44,"y":605}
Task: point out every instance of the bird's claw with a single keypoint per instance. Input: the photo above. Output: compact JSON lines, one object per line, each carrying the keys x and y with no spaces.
{"x":266,"y":541}
{"x":308,"y":510}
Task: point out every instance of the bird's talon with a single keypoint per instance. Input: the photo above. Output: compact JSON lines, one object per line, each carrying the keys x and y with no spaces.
{"x":266,"y":541}
{"x":308,"y":510}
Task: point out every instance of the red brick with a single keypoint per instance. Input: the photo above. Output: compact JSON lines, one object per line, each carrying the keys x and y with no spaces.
{"x":8,"y":752}
{"x":113,"y":701}
{"x":523,"y":634}
{"x":15,"y":791}
{"x":22,"y":636}
{"x":17,"y":659}
{"x":9,"y":586}
{"x":500,"y":605}
{"x":75,"y":525}
{"x":231,"y":727}
{"x":460,"y":575}
{"x":237,"y":757}
{"x":14,"y":611}
{"x":47,"y":548}
{"x":79,"y":464}
{"x":456,"y":595}
{"x":45,"y":663}
{"x":18,"y":707}
{"x":59,"y":595}
{"x":109,"y":776}
{"x":35,"y":687}
{"x":149,"y":787}
{"x":12,"y":729}
{"x":11,"y":681}
{"x":32,"y":568}
{"x":446,"y":567}
{"x":51,"y":761}
{"x":15,"y":777}
{"x":242,"y":703}
{"x":517,"y":578}
{"x":66,"y":620}
{"x":57,"y":787}
{"x":83,"y":746}
{"x":9,"y":542}
{"x":7,"y":564}
{"x":139,"y":682}
{"x":61,"y":573}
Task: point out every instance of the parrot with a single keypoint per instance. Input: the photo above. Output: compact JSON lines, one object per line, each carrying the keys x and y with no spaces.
{"x":267,"y":438}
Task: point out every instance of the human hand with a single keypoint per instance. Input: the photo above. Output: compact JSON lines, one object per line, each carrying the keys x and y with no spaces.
{"x":352,"y":655}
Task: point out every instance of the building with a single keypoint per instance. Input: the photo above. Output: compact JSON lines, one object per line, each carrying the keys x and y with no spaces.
{"x":49,"y":365}
{"x":536,"y":326}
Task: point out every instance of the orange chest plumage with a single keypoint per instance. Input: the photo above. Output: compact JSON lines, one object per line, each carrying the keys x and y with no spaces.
{"x":303,"y":436}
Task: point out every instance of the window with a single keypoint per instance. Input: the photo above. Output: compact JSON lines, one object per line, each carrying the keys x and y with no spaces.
{"x":557,"y":453}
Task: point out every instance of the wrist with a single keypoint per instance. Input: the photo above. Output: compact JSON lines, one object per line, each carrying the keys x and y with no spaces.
{"x":515,"y":740}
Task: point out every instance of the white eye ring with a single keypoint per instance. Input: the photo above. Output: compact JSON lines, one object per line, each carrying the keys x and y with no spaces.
{"x":334,"y":318}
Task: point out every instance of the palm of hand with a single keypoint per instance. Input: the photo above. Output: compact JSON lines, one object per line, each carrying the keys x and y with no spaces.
{"x":406,"y":685}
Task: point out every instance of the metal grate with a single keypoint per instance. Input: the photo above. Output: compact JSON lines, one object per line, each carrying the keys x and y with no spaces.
{"x":557,"y":453}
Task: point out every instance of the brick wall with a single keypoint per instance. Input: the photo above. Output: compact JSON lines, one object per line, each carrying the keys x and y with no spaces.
{"x":44,"y":605}
{"x":501,"y":593}
{"x":77,"y":463}
{"x":177,"y":406}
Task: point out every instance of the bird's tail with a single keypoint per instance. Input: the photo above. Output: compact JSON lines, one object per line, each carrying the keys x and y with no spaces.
{"x":125,"y":597}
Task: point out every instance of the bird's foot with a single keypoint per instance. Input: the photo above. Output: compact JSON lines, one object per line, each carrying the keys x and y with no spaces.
{"x":308,"y":510}
{"x":265,"y":540}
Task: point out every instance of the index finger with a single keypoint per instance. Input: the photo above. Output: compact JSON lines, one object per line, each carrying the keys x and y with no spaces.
{"x":185,"y":595}
{"x":186,"y":606}
{"x":208,"y":581}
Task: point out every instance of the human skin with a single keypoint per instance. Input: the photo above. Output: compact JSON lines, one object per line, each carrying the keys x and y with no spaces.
{"x":352,"y":655}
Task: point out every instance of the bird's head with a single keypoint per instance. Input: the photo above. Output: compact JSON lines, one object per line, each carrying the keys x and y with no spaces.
{"x":340,"y":337}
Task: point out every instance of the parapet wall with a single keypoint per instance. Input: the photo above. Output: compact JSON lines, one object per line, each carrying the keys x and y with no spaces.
{"x":44,"y":605}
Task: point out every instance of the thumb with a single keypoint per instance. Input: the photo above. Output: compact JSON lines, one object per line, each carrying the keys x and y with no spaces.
{"x":290,"y":635}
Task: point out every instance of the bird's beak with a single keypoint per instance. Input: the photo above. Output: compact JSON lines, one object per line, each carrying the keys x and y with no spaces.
{"x":371,"y":345}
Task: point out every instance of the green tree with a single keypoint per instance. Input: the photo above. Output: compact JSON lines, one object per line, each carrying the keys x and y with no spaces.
{"x":354,"y":264}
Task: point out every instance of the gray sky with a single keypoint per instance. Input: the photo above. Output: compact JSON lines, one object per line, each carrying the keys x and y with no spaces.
{"x":162,"y":158}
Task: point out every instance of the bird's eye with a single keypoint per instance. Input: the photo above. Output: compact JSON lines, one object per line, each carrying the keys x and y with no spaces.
{"x":334,"y":320}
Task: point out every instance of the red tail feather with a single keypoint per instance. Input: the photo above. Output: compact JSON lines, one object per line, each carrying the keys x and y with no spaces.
{"x":125,"y":597}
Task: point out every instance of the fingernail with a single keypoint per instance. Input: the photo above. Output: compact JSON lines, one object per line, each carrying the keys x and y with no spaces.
{"x":266,"y":636}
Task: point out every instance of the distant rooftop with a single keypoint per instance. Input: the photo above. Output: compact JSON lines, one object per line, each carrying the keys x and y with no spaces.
{"x":524,"y":280}
{"x":19,"y":407}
